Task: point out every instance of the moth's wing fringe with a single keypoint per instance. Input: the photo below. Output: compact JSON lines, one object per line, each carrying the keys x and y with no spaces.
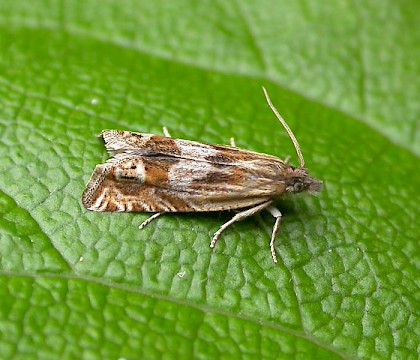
{"x":97,"y":178}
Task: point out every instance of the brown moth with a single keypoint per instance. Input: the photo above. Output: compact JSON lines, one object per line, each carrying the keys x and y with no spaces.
{"x":159,"y":174}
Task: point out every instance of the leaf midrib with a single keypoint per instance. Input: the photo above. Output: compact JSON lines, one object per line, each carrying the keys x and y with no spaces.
{"x":265,"y":79}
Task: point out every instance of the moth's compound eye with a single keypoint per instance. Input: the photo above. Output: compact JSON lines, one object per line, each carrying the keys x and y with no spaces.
{"x":298,"y":187}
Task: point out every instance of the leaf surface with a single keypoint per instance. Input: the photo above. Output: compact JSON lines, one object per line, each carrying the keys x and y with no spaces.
{"x":81,"y":284}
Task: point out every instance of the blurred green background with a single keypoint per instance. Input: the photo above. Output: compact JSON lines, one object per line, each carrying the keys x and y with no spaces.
{"x":78,"y":284}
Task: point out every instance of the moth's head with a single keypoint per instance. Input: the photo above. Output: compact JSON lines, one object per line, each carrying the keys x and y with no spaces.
{"x":299,"y":180}
{"x":296,"y":180}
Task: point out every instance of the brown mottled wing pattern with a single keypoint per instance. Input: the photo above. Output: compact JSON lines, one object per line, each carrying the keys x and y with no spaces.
{"x":151,"y":173}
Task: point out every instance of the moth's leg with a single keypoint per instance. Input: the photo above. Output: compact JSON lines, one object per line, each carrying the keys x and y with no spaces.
{"x":166,"y":132}
{"x":277,"y":215}
{"x":287,"y":159}
{"x":149,"y":220}
{"x":238,"y":217}
{"x":232,"y":142}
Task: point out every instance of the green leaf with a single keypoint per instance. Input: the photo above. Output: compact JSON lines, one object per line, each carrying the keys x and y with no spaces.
{"x":79,"y":284}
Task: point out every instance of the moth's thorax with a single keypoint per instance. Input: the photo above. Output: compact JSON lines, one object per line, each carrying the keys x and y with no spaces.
{"x":298,"y":180}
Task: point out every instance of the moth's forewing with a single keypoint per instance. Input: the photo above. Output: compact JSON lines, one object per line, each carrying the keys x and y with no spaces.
{"x":151,"y":173}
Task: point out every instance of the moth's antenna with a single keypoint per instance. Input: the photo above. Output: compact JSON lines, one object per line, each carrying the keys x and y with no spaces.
{"x":289,"y":131}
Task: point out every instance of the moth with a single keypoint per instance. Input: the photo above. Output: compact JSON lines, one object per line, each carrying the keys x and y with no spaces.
{"x":160,"y":174}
